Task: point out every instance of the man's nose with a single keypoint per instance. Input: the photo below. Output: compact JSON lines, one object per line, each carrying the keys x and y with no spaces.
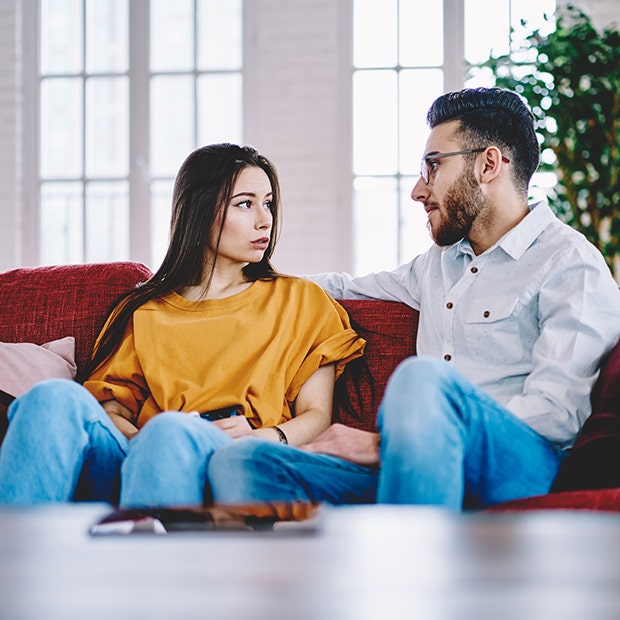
{"x":420,"y":191}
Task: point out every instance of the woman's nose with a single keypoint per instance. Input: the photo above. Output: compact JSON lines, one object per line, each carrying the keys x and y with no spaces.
{"x":264,"y":220}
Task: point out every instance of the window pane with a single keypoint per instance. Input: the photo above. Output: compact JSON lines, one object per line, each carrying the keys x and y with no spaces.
{"x":161,"y":206}
{"x":375,"y":34}
{"x":418,"y":89}
{"x":61,"y":36}
{"x":219,"y":105}
{"x":172,"y":123}
{"x":375,"y":224}
{"x":107,"y":127}
{"x":172,"y":35}
{"x":106,"y":36}
{"x":414,"y":235}
{"x":420,"y":46}
{"x":61,"y":229}
{"x":61,"y":128}
{"x":219,"y":34}
{"x":480,"y":76}
{"x":480,"y":39}
{"x":107,"y":221}
{"x":375,"y":112}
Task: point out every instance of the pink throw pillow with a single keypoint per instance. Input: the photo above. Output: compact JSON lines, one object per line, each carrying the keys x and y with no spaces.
{"x":22,"y":364}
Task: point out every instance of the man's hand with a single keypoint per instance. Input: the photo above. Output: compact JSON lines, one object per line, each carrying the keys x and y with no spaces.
{"x":351,"y":444}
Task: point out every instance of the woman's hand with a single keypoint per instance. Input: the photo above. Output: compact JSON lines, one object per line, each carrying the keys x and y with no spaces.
{"x":121,"y":416}
{"x":236,"y":426}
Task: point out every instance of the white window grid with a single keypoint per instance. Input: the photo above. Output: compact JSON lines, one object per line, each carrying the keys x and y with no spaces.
{"x":146,"y":238}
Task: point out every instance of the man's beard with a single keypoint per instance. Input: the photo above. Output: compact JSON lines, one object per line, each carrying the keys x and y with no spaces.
{"x":462,"y":204}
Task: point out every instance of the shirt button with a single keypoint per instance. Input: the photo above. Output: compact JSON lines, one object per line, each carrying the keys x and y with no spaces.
{"x":486,"y":314}
{"x":449,"y":305}
{"x":474,"y":269}
{"x":447,"y":357}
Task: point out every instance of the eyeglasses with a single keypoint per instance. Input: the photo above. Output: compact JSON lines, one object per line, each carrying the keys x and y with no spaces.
{"x":425,"y":165}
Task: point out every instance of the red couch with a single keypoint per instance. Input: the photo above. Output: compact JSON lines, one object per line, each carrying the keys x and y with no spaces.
{"x":41,"y":304}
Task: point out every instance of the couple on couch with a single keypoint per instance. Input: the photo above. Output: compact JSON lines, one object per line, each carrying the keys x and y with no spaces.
{"x":215,"y":378}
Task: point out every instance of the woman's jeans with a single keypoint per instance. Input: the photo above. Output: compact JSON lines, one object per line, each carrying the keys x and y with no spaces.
{"x":61,"y":446}
{"x":443,"y":442}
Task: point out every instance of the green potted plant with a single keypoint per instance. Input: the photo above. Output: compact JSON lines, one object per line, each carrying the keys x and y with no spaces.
{"x":570,"y":78}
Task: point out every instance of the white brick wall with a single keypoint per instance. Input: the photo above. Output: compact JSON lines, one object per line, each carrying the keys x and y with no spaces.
{"x":9,"y":136}
{"x":602,"y":12}
{"x":297,"y":86}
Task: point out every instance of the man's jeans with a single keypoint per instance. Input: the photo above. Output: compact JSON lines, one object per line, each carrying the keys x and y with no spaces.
{"x":62,"y":446}
{"x":443,"y":442}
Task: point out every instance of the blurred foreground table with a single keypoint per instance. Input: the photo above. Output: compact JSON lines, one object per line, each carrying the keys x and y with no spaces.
{"x":353,"y":563}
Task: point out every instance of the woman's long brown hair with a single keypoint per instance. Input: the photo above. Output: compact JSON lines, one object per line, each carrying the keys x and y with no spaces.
{"x":202,"y":190}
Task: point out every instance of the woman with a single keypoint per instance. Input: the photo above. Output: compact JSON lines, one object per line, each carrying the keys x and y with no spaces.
{"x":215,"y":346}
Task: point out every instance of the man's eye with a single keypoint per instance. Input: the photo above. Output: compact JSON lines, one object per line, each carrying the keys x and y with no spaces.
{"x":432,"y":163}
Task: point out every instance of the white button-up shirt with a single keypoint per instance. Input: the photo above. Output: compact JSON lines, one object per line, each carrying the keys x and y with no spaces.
{"x":528,"y":321}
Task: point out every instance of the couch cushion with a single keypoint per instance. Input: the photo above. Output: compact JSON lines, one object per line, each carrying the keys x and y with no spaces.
{"x":390,"y":329}
{"x":594,"y":462}
{"x":41,"y":304}
{"x":601,"y":499}
{"x":23,"y":364}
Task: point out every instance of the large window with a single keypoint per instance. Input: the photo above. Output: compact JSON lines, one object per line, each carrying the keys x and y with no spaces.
{"x":127,"y":88}
{"x":405,"y":54}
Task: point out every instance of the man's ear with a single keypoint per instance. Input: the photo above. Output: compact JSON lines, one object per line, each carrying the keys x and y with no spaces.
{"x":490,"y":164}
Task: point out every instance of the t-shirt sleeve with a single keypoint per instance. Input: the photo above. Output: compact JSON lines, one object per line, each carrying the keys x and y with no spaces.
{"x":120,"y":377}
{"x":332,"y":341}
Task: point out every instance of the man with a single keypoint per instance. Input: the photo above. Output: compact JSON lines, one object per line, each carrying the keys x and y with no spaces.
{"x":516,"y":312}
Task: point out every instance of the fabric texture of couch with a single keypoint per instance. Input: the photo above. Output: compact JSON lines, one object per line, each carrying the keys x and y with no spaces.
{"x":43,"y":304}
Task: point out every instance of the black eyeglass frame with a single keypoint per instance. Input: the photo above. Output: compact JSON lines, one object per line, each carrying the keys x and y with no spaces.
{"x":425,"y":171}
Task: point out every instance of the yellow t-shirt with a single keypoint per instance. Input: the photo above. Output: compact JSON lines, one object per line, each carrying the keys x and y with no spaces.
{"x":254,"y":349}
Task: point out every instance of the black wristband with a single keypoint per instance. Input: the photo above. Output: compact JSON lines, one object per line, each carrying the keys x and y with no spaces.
{"x":281,"y":435}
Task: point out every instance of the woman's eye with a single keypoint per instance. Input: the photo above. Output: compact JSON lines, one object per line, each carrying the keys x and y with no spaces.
{"x":246,"y":204}
{"x":268,"y":205}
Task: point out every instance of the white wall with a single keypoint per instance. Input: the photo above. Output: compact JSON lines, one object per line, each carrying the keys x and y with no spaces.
{"x":602,"y":12}
{"x":10,"y":144}
{"x":297,"y":87}
{"x":297,"y":79}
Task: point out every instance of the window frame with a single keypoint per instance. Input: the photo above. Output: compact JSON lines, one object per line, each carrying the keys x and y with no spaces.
{"x":139,"y":175}
{"x":453,"y":69}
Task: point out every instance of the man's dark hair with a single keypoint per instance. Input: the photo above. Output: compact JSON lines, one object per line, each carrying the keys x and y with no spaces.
{"x":492,"y":117}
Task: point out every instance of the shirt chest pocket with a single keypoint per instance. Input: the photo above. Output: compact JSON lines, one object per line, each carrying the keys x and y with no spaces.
{"x":492,"y":329}
{"x":491,"y":309}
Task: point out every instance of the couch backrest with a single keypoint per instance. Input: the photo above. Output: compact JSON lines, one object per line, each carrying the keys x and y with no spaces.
{"x":390,"y":330}
{"x":46,"y":303}
{"x":594,"y":461}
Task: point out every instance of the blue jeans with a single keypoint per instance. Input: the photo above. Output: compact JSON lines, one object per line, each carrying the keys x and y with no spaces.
{"x":443,"y":442}
{"x":62,"y":446}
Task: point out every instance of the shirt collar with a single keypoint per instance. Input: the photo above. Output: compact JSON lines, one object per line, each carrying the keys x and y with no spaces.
{"x":518,"y":239}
